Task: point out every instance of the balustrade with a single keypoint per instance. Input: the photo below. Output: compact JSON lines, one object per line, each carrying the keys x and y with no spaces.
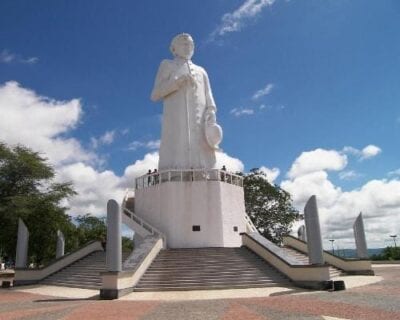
{"x":156,"y":178}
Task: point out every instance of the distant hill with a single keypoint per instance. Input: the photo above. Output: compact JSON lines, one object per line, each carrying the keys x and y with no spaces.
{"x":352,"y":253}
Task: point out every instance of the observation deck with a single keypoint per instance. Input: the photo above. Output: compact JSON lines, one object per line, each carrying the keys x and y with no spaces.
{"x":152,"y":179}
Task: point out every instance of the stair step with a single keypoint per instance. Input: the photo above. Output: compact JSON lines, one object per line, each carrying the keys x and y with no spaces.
{"x":208,"y":268}
{"x":208,"y":287}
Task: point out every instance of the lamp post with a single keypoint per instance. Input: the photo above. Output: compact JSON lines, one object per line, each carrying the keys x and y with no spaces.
{"x":333,"y":248}
{"x":394,"y":236}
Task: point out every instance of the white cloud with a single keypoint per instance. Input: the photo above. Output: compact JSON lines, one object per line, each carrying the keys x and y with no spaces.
{"x":238,"y":112}
{"x":377,"y":199}
{"x":150,"y":145}
{"x":370,"y":151}
{"x":9,"y":57}
{"x":140,"y":167}
{"x":231,"y":164}
{"x":317,"y":160}
{"x":94,"y":188}
{"x":41,"y":123}
{"x":263,"y":92}
{"x":236,"y":20}
{"x":317,"y":183}
{"x":272,"y":174}
{"x":106,"y":139}
{"x":367,"y":152}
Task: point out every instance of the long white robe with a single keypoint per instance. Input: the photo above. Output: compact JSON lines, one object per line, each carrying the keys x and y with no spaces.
{"x":183,"y":142}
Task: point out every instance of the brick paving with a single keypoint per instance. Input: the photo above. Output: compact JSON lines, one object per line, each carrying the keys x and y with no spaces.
{"x":380,"y":300}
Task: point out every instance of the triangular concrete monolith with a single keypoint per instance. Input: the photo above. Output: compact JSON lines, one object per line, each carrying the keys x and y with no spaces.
{"x":359,"y":236}
{"x":301,"y":233}
{"x":60,"y":244}
{"x":313,"y":230}
{"x":21,"y":258}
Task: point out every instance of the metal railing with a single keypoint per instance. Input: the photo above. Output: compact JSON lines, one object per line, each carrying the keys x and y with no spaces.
{"x":141,"y":222}
{"x":156,"y":178}
{"x":249,"y":224}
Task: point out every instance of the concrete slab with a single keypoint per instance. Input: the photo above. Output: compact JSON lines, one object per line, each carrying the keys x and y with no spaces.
{"x":210,"y":294}
{"x":57,"y":291}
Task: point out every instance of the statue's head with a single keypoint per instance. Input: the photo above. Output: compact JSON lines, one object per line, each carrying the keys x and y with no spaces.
{"x":182,"y":46}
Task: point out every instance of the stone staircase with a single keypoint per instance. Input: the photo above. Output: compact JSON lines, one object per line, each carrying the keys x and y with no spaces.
{"x":84,"y":273}
{"x":207,"y":269}
{"x":301,"y":257}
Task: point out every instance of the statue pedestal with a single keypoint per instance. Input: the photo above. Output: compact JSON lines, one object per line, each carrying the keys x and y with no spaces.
{"x":193,"y":214}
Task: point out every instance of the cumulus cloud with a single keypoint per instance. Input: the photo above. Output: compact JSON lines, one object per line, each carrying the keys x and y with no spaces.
{"x":236,"y":20}
{"x":8,"y":57}
{"x":370,"y":151}
{"x":272,"y":174}
{"x":367,"y":152}
{"x":232,"y":164}
{"x":317,"y":160}
{"x":263,"y":92}
{"x":94,"y":188}
{"x":238,"y":112}
{"x":41,"y":123}
{"x":377,"y":199}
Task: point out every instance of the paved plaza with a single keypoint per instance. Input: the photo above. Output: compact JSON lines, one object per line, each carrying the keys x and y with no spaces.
{"x":371,"y":300}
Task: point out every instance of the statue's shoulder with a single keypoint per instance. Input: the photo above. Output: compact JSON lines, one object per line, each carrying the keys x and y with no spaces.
{"x":167,"y":63}
{"x":200,"y":69}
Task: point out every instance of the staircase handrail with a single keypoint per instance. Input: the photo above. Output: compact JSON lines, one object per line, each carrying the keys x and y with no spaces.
{"x":350,"y":266}
{"x":250,"y":223}
{"x":28,"y":275}
{"x":144,"y":224}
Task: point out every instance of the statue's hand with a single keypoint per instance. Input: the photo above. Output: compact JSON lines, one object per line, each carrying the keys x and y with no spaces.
{"x":184,"y":80}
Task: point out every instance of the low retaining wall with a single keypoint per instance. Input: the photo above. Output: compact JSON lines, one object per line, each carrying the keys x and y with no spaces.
{"x":350,"y":266}
{"x":24,"y":276}
{"x":116,"y":284}
{"x":305,"y":276}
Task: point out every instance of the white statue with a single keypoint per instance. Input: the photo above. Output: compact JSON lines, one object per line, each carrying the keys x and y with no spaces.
{"x":190,"y":134}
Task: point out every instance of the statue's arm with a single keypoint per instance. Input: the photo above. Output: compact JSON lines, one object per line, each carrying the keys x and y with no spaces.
{"x":210,"y":103}
{"x":164,"y":84}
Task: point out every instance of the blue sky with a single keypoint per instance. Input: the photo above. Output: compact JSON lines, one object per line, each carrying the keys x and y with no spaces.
{"x":326,"y":73}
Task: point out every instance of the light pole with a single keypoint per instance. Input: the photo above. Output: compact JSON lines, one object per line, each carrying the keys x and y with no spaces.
{"x":394,"y":236}
{"x":333,"y":248}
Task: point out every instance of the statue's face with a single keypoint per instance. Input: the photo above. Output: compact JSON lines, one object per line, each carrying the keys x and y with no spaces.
{"x":184,"y":48}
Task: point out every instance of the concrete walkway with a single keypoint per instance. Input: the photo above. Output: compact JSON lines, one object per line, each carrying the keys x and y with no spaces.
{"x":365,"y":299}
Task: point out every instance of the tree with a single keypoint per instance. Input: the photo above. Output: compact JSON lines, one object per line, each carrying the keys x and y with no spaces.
{"x":28,"y":191}
{"x":92,"y":228}
{"x":268,"y":206}
{"x":389,"y":253}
